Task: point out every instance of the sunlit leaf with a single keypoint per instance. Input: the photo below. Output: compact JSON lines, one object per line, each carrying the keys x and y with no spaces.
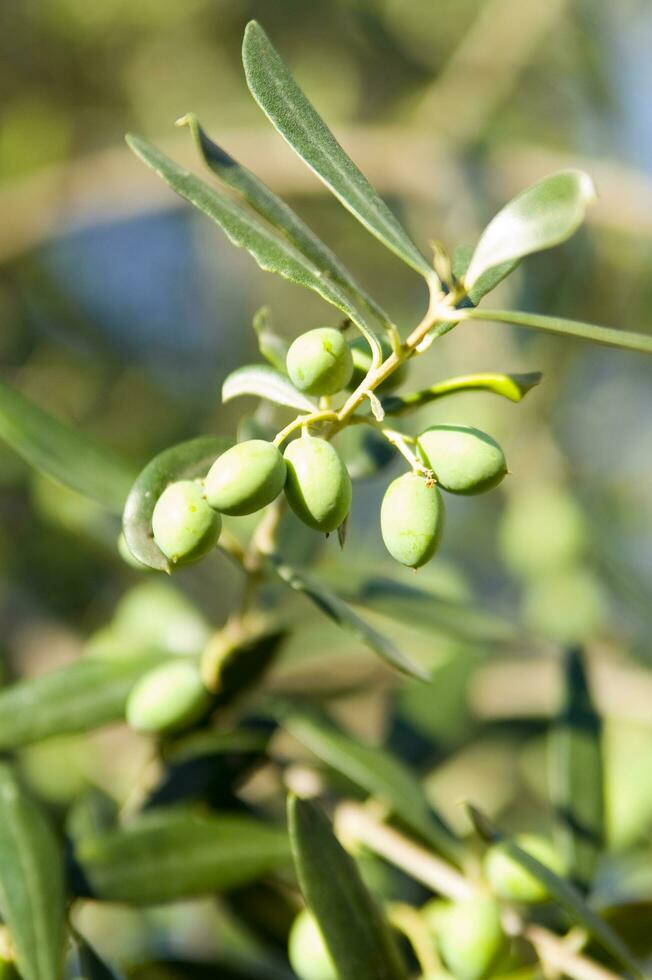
{"x":487,"y":281}
{"x":543,"y":215}
{"x":285,"y":105}
{"x":512,"y":386}
{"x":272,"y":347}
{"x":354,"y":929}
{"x":263,"y":381}
{"x":32,"y":902}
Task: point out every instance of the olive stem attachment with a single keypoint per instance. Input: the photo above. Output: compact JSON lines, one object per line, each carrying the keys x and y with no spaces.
{"x":300,"y":421}
{"x":410,"y":923}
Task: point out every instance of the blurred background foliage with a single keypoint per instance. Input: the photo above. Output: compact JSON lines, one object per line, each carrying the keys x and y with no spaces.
{"x":122,"y":312}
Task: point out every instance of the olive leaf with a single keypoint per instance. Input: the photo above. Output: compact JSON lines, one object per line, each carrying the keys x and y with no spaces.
{"x":272,"y":347}
{"x":88,"y":964}
{"x":263,"y":381}
{"x":512,"y":386}
{"x":78,"y":697}
{"x":543,"y":215}
{"x":173,"y":853}
{"x":354,"y":929}
{"x":32,"y":901}
{"x":63,"y":453}
{"x":376,"y":771}
{"x":293,"y":115}
{"x":562,"y":891}
{"x":486,"y":282}
{"x":185,"y":461}
{"x":577,"y":776}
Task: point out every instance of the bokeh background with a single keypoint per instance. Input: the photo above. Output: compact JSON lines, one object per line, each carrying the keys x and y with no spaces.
{"x":122,"y":311}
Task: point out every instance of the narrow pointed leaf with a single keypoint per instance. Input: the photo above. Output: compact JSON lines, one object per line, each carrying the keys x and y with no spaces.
{"x":562,"y":891}
{"x":62,"y":452}
{"x":263,"y":381}
{"x":577,"y":774}
{"x":285,"y":105}
{"x":512,"y":386}
{"x":543,"y":215}
{"x":171,"y":854}
{"x":354,"y":929}
{"x":186,"y":461}
{"x":341,"y":613}
{"x":608,"y":336}
{"x":32,"y":902}
{"x":272,"y":347}
{"x":79,"y":697}
{"x":377,"y":772}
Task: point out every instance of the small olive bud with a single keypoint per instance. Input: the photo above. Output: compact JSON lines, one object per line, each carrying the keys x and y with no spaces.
{"x":510,"y":880}
{"x":319,"y":362}
{"x":463,"y":459}
{"x":361,"y":354}
{"x":471,"y":938}
{"x":185,"y":527}
{"x":245,"y":478}
{"x":318,"y":488}
{"x":412,"y":519}
{"x":167,"y":699}
{"x":308,"y":954}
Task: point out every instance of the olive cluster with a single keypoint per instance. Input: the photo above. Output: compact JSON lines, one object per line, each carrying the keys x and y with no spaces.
{"x":186,"y":521}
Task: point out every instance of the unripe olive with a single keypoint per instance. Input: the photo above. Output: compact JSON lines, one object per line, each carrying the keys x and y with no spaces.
{"x":412,"y":519}
{"x":361,"y":354}
{"x":167,"y":699}
{"x":511,"y":880}
{"x":245,"y":478}
{"x":318,"y":487}
{"x":543,"y":529}
{"x":471,"y":938}
{"x":319,"y":362}
{"x":185,"y":527}
{"x":307,"y":951}
{"x":463,"y":459}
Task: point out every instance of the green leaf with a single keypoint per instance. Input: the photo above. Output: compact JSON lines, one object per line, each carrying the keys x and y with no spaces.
{"x":512,"y":386}
{"x":487,"y":281}
{"x":61,"y":452}
{"x":185,"y":461}
{"x":79,"y":697}
{"x":171,"y":854}
{"x":272,"y":347}
{"x":543,"y":215}
{"x":288,"y":109}
{"x":88,"y":964}
{"x":354,"y":929}
{"x":263,"y":381}
{"x":562,"y":891}
{"x":341,"y":613}
{"x":32,"y":902}
{"x":577,"y":774}
{"x":377,"y":772}
{"x":624,"y":339}
{"x":272,"y":252}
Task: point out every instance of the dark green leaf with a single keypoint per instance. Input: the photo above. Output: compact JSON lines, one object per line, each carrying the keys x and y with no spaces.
{"x":63,"y":453}
{"x":511,"y":386}
{"x":354,"y":930}
{"x":577,"y":774}
{"x":377,"y":772}
{"x":186,"y":461}
{"x":32,"y":902}
{"x":561,"y":891}
{"x":170,"y":854}
{"x":339,"y":611}
{"x":272,"y":347}
{"x":288,"y":109}
{"x":77,"y":698}
{"x":263,"y":381}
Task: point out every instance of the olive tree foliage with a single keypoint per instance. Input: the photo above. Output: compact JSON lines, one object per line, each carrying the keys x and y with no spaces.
{"x":191,"y":833}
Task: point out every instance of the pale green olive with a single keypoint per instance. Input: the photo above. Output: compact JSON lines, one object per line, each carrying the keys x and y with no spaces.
{"x":471,"y":938}
{"x":167,"y":699}
{"x":361,"y":354}
{"x":307,"y":951}
{"x":185,"y":527}
{"x":412,"y":519}
{"x":319,"y":362}
{"x":510,"y":880}
{"x":464,"y":460}
{"x":318,"y":488}
{"x":245,"y":478}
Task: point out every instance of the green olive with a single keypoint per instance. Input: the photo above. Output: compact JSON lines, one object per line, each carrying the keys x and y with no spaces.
{"x":185,"y":527}
{"x":471,"y":938}
{"x":512,"y":881}
{"x":361,"y":354}
{"x":318,"y":487}
{"x":319,"y":362}
{"x":412,"y":519}
{"x":463,"y":459}
{"x":543,"y":530}
{"x":307,"y":951}
{"x":167,"y":699}
{"x":245,"y":478}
